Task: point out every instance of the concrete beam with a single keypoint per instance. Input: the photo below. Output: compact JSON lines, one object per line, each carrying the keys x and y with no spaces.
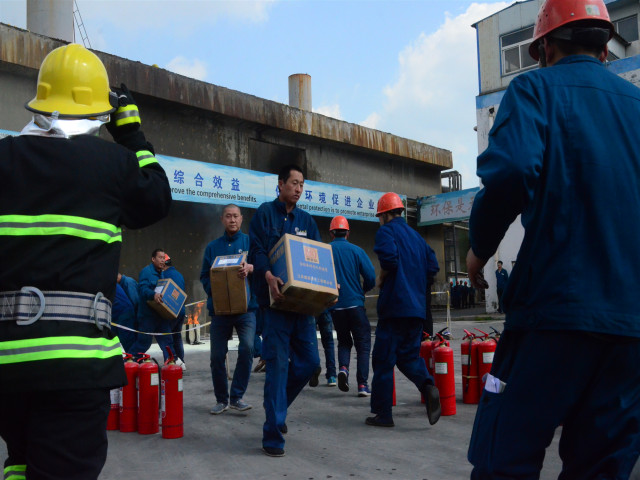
{"x":25,"y":49}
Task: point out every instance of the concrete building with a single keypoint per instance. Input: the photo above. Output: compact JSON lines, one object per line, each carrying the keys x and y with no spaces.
{"x":204,"y":127}
{"x":503,"y":40}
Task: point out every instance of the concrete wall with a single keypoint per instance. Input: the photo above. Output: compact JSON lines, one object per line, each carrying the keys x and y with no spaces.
{"x":190,"y":119}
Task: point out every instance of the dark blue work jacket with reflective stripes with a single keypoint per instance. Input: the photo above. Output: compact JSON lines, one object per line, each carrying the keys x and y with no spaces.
{"x":62,"y":205}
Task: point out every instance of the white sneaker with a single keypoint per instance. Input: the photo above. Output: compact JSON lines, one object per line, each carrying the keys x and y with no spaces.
{"x":181,"y":364}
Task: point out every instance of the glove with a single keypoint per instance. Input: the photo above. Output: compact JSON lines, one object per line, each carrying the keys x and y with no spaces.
{"x":126,"y":118}
{"x":124,"y":125}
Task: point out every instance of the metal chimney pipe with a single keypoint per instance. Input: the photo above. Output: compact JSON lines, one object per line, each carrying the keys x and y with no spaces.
{"x":51,"y":18}
{"x":300,"y":91}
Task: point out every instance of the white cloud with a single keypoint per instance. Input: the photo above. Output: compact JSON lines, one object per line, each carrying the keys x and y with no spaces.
{"x":330,"y":111}
{"x":190,"y":68}
{"x":433,"y":99}
{"x":372,"y":121}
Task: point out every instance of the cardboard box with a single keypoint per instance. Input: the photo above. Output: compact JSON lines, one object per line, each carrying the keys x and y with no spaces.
{"x":173,"y":298}
{"x":306,"y":267}
{"x":230,"y":294}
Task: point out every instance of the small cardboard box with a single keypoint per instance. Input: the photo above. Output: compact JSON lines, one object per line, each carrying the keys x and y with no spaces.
{"x":230,"y":294}
{"x":173,"y":298}
{"x":306,"y":267}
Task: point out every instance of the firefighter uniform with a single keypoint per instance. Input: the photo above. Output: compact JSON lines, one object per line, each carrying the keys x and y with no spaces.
{"x":290,"y":345}
{"x":62,"y":205}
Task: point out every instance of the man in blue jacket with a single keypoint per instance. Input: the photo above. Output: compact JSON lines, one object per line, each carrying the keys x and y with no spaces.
{"x":349,"y":317}
{"x":502,"y":277}
{"x":232,"y":242}
{"x":564,"y":152}
{"x":171,"y":272}
{"x":148,"y":320}
{"x":404,"y":263}
{"x":123,"y":313}
{"x":290,"y":345}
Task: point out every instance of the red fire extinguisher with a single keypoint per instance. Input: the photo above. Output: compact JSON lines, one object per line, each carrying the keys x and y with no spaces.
{"x":426,"y":348}
{"x":469,"y":361}
{"x":148,"y":383}
{"x":445,"y":376}
{"x":113,"y":421}
{"x":486,"y":350}
{"x":171,"y":400}
{"x":129,"y":396}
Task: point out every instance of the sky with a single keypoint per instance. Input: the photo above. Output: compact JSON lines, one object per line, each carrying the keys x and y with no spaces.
{"x":404,"y":67}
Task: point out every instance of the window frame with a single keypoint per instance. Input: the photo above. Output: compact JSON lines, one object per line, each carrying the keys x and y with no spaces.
{"x":519,"y":45}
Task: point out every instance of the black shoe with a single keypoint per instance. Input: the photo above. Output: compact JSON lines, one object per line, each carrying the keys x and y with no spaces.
{"x":378,"y":422}
{"x":432,"y":402}
{"x":283,"y":429}
{"x":273,"y":451}
{"x":314,"y":378}
{"x":343,"y":379}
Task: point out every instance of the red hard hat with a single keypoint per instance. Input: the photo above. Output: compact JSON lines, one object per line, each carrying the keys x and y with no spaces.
{"x":167,"y":258}
{"x":559,"y":13}
{"x":339,"y":223}
{"x":389,"y":201}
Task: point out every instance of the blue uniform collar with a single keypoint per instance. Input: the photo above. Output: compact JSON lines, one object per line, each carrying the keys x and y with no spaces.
{"x":577,"y":59}
{"x":398,"y":219}
{"x":340,"y":239}
{"x":282,"y":207}
{"x":232,"y":238}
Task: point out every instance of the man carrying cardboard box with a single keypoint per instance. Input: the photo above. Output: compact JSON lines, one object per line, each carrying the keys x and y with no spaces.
{"x":148,"y":320}
{"x":290,"y":345}
{"x":233,"y":241}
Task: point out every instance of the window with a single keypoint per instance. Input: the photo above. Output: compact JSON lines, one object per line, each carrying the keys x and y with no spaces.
{"x":515,"y":51}
{"x":627,"y":28}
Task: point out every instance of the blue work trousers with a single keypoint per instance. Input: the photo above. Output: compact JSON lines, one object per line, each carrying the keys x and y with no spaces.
{"x":589,"y":384}
{"x":153,"y":324}
{"x":127,"y":337}
{"x":257,"y":339}
{"x":397,"y":343}
{"x":221,"y":330}
{"x":178,"y":344}
{"x":353,"y":328}
{"x":290,"y":348}
{"x":325,"y":326}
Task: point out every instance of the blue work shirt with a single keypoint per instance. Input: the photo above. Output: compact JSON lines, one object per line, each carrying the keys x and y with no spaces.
{"x":121,"y":303}
{"x":130,"y":286}
{"x":177,"y":277}
{"x":147,"y":281}
{"x":270,"y":222}
{"x":351,"y":262}
{"x":564,"y":152}
{"x":502,"y":277}
{"x":225,"y":245}
{"x":404,"y":255}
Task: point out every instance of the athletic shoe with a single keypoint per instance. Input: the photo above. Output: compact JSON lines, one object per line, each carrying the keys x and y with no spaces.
{"x":379,"y":422}
{"x":314,"y":378}
{"x":432,"y":402}
{"x":273,"y":451}
{"x":219,"y":408}
{"x":240,"y":405}
{"x":260,"y":367}
{"x":343,"y":379}
{"x":363,"y":391}
{"x":182,"y":365}
{"x":331,"y":382}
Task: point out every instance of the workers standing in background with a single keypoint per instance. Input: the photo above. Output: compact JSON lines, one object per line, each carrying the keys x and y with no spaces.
{"x":232,"y":242}
{"x":290,"y":345}
{"x":564,"y":144}
{"x":502,"y":277}
{"x":404,"y":263}
{"x":171,"y":272}
{"x":349,"y":316}
{"x":149,"y":321}
{"x":65,"y":196}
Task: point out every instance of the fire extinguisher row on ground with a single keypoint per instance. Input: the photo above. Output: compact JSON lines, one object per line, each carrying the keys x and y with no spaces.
{"x":148,"y":396}
{"x":476,"y":360}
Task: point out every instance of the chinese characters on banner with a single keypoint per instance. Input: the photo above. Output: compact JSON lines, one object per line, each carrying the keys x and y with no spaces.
{"x":201,"y":182}
{"x":446,"y":207}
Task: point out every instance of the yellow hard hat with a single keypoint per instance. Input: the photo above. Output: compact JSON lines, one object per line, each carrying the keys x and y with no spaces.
{"x":72,"y":81}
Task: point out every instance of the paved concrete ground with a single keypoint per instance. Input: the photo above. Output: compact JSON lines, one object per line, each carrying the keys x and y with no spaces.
{"x":327,"y":436}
